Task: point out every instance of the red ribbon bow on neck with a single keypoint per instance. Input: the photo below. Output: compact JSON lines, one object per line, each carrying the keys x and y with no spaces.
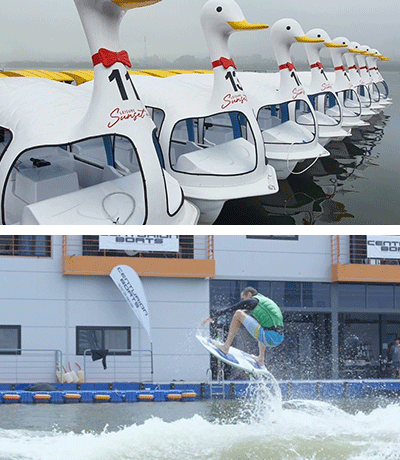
{"x":353,"y":67}
{"x":317,"y":64}
{"x":288,"y":65}
{"x":224,"y":62}
{"x":109,"y":58}
{"x":341,"y":67}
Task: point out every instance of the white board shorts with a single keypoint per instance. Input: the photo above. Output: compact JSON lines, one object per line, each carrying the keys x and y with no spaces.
{"x":267,"y":337}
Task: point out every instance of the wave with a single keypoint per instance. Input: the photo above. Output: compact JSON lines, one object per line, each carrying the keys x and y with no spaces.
{"x":260,"y":428}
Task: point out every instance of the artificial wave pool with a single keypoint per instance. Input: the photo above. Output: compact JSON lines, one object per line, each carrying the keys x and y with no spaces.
{"x":258,"y":427}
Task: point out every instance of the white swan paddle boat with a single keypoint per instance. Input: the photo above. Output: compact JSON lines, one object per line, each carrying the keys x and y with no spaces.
{"x":69,"y":156}
{"x":283,"y":36}
{"x":342,"y":54}
{"x":207,"y":129}
{"x":284,"y":112}
{"x":357,"y":72}
{"x":332,"y":95}
{"x":366,"y":76}
{"x":378,"y":86}
{"x":372,"y":63}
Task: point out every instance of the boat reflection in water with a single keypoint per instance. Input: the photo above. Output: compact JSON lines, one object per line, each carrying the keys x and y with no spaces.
{"x":316,"y":196}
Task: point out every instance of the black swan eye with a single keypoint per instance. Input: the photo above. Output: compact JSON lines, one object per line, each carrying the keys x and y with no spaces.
{"x":219,"y":9}
{"x":288,"y":27}
{"x":319,"y":36}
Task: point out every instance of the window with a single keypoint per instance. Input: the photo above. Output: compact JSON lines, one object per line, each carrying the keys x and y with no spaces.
{"x":64,"y":171}
{"x":397,"y":297}
{"x":351,"y":100}
{"x":25,"y":245}
{"x":306,"y":353}
{"x":352,"y":296}
{"x":359,"y":345}
{"x":380,"y":296}
{"x":10,"y":339}
{"x":291,"y":122}
{"x":316,"y":295}
{"x":101,"y":338}
{"x":158,"y":148}
{"x":292,"y":296}
{"x":157,"y":115}
{"x":5,"y":139}
{"x":190,"y":137}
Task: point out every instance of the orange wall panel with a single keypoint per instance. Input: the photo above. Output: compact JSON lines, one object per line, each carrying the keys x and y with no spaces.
{"x":102,"y":266}
{"x":366,"y":273}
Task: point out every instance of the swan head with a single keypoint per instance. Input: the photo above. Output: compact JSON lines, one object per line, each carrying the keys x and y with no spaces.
{"x":288,"y":31}
{"x":130,"y":4}
{"x":225,"y":17}
{"x":338,"y":46}
{"x":319,"y":33}
{"x":367,"y":50}
{"x":379,"y":55}
{"x":339,"y":43}
{"x":355,"y":47}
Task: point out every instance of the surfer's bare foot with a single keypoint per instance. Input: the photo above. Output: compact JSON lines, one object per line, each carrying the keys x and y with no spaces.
{"x":259,"y":360}
{"x":222,"y":347}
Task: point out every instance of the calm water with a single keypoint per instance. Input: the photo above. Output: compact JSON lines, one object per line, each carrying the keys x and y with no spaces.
{"x":357,"y":184}
{"x":258,"y":428}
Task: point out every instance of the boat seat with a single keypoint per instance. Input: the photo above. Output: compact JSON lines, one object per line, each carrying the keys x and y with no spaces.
{"x":125,"y":156}
{"x":219,"y":136}
{"x":37,"y":184}
{"x":234,"y":157}
{"x":287,"y":133}
{"x":267,"y":122}
{"x":179,"y":148}
{"x":118,"y":196}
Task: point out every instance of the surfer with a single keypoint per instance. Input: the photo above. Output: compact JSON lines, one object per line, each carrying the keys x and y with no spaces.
{"x":260,"y":315}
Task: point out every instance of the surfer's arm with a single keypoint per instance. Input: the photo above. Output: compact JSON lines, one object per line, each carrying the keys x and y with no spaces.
{"x":248,"y":304}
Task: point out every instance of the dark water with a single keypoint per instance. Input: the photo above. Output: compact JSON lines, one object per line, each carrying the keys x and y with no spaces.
{"x":358,"y":184}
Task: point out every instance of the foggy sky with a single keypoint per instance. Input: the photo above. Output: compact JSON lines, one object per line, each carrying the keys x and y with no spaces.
{"x":51,"y":29}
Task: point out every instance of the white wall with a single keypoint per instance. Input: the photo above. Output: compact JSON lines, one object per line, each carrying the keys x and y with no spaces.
{"x":176,"y":308}
{"x":49,"y":306}
{"x":307,"y":259}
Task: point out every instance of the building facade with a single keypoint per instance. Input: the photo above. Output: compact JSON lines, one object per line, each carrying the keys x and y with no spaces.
{"x":340,"y":296}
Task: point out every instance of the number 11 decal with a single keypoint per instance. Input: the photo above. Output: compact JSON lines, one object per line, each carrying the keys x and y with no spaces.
{"x":116,"y":75}
{"x":324,"y":75}
{"x":234,"y":80}
{"x":294,"y":75}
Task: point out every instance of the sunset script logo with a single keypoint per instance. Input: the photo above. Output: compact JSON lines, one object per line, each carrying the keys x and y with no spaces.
{"x":118,"y":115}
{"x":229,"y":99}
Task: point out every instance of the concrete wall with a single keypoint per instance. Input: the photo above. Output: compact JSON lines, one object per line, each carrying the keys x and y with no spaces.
{"x":307,"y":259}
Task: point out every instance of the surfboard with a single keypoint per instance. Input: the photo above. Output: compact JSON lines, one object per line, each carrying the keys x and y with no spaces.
{"x":235,"y":357}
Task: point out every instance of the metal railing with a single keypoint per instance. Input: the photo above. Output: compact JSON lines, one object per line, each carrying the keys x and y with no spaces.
{"x":21,"y":365}
{"x":133,"y":366}
{"x":26,"y":245}
{"x":353,"y":249}
{"x":193,"y":256}
{"x":190,"y":247}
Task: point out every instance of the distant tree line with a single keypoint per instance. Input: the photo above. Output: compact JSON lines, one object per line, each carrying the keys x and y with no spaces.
{"x":255,"y":62}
